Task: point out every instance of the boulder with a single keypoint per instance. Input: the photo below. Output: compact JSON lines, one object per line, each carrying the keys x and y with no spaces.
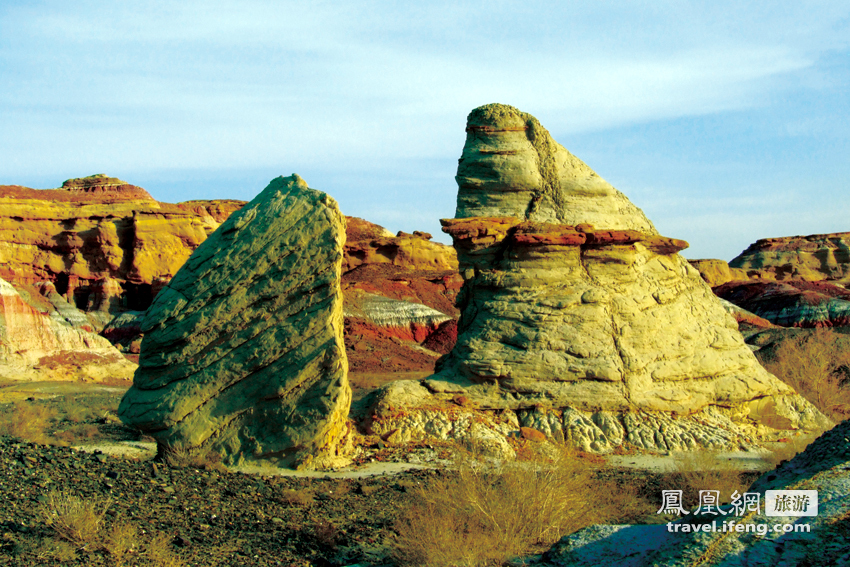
{"x":243,"y":351}
{"x":578,"y":316}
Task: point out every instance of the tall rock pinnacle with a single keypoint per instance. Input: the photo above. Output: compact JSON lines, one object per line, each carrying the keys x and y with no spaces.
{"x":511,"y":166}
{"x":578,"y":316}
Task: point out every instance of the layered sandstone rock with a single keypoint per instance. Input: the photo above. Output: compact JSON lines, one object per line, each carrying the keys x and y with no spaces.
{"x":590,"y":328}
{"x":44,"y":338}
{"x":798,"y":281}
{"x":399,"y":293}
{"x":791,"y":303}
{"x":818,"y":257}
{"x":368,"y":243}
{"x":243,"y":351}
{"x":105,"y":245}
{"x":718,"y":272}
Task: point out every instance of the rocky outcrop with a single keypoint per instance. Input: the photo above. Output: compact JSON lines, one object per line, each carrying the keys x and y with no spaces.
{"x":718,"y":272}
{"x":399,"y":299}
{"x":818,"y":257}
{"x":368,"y":243}
{"x":589,"y":328}
{"x":44,"y":338}
{"x":105,"y":245}
{"x":798,"y":281}
{"x":791,"y":303}
{"x":243,"y":352}
{"x":108,"y":248}
{"x":819,"y":538}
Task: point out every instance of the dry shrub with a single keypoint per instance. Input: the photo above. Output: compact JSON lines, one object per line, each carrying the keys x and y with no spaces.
{"x":45,"y":549}
{"x":121,"y":541}
{"x":178,"y":456}
{"x":73,"y":519}
{"x":815,"y":364}
{"x":75,"y":409}
{"x":27,"y":421}
{"x":80,"y":523}
{"x":160,"y":553}
{"x":296,"y":497}
{"x":487,"y":514}
{"x":707,"y":470}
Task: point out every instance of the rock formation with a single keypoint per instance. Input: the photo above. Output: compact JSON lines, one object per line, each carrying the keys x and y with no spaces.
{"x":791,"y":303}
{"x":821,"y":539}
{"x":818,"y":257}
{"x":107,"y":246}
{"x":243,"y":352}
{"x":577,"y":318}
{"x":399,"y":294}
{"x":718,"y":272}
{"x":44,"y":338}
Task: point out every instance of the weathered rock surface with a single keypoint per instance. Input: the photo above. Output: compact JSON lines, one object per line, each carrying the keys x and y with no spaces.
{"x":718,"y":272}
{"x":511,"y":166}
{"x":591,"y":319}
{"x":243,"y":351}
{"x":105,"y":245}
{"x":44,"y":338}
{"x":809,"y":540}
{"x":791,"y":303}
{"x":368,"y":243}
{"x":817,"y":257}
{"x":399,"y":293}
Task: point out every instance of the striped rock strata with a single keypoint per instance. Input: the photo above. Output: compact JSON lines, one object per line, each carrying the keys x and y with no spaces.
{"x":42,"y":337}
{"x":578,"y":319}
{"x":106,"y":246}
{"x":243,"y":351}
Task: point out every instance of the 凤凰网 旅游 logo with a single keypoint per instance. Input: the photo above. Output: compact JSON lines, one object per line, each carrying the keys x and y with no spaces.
{"x":791,"y":502}
{"x":743,"y":513}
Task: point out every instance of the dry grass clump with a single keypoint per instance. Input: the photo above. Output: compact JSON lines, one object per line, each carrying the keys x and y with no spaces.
{"x":486,"y":514}
{"x":817,"y":366}
{"x":178,"y":456}
{"x":73,"y":519}
{"x":79,"y":526}
{"x":297,"y":498}
{"x":28,"y":421}
{"x":707,"y":470}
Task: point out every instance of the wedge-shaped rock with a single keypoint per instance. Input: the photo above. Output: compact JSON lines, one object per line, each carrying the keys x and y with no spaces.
{"x":243,"y":351}
{"x":577,"y":315}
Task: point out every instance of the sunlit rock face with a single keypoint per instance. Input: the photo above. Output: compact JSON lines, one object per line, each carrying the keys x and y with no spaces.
{"x":813,"y":258}
{"x":42,"y":337}
{"x":243,"y":351}
{"x":795,"y":281}
{"x":571,"y":299}
{"x":105,"y":245}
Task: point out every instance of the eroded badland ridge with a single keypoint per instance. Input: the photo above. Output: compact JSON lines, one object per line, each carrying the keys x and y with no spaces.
{"x":560,"y":315}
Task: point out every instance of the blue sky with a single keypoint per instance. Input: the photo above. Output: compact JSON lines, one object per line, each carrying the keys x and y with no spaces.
{"x":725,"y":121}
